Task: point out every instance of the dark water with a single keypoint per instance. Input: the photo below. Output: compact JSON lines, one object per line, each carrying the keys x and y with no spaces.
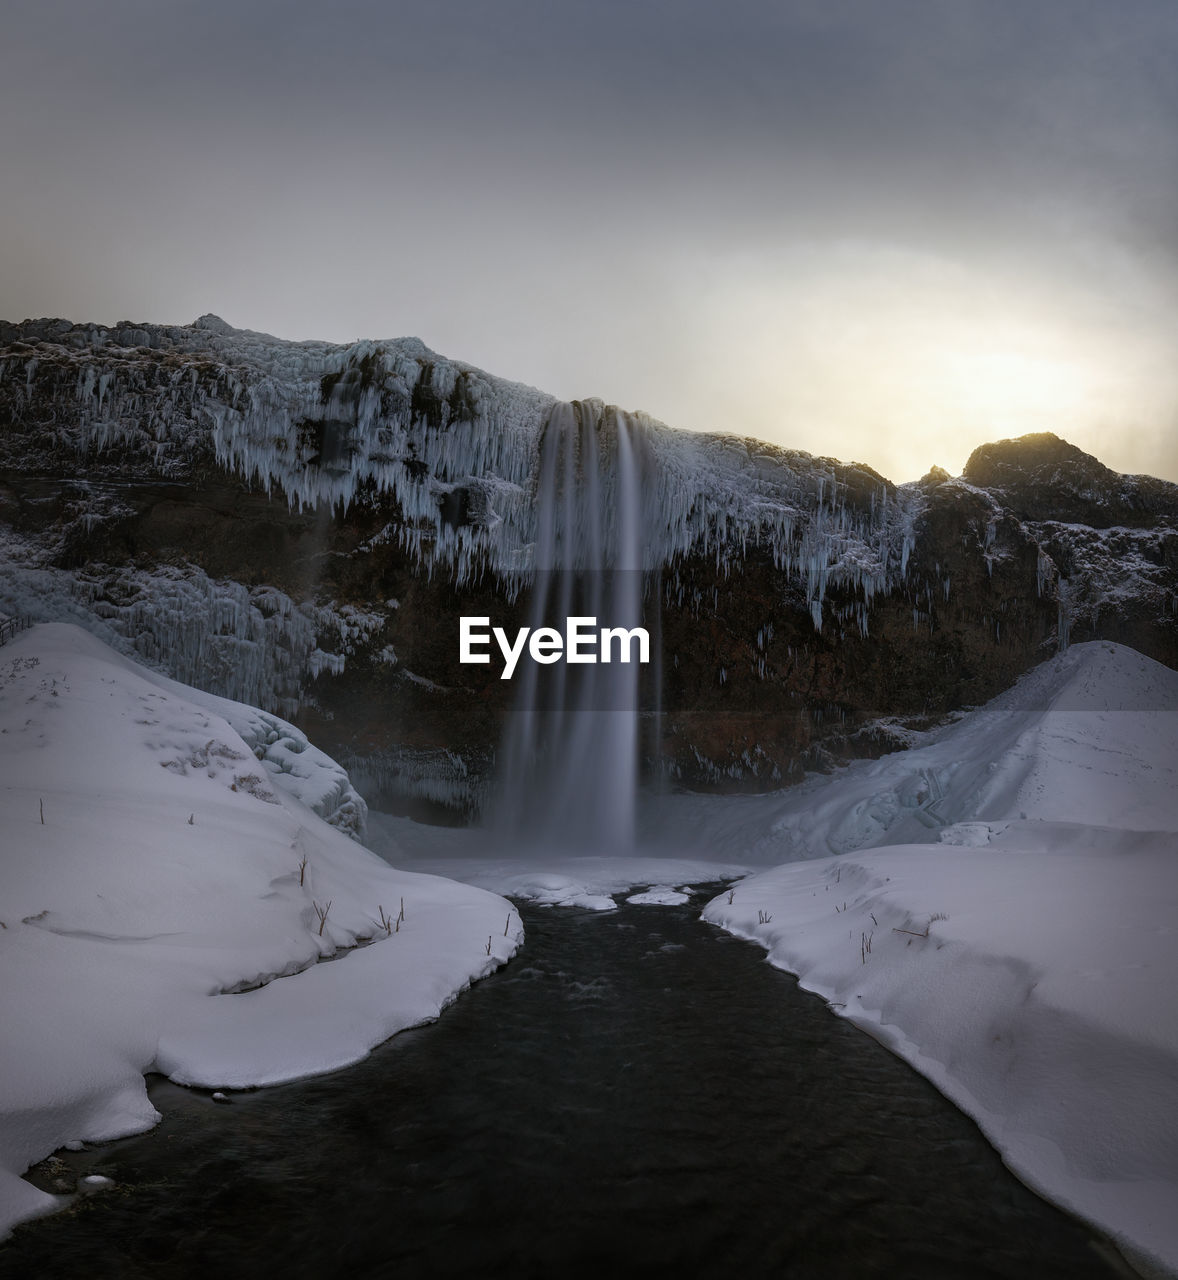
{"x":637,"y":1094}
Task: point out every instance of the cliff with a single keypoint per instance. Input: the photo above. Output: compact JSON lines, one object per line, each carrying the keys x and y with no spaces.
{"x":300,"y":525}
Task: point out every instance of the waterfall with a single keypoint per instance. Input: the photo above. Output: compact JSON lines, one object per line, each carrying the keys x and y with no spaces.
{"x":570,"y":749}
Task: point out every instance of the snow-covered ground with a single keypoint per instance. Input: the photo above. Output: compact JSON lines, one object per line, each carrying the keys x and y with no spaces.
{"x":166,"y":892}
{"x":1025,"y":962}
{"x":998,"y":905}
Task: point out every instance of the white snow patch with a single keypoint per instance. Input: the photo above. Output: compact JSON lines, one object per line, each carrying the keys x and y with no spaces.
{"x":660,"y":895}
{"x":150,"y":865}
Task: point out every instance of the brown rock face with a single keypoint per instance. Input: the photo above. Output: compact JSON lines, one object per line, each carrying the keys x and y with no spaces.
{"x":301,"y":526}
{"x":1043,"y":478}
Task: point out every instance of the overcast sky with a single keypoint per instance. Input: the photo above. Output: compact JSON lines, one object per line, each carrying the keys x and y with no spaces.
{"x":885,"y":230}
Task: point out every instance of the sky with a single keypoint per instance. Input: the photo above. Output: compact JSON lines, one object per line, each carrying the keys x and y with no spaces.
{"x":881,"y":230}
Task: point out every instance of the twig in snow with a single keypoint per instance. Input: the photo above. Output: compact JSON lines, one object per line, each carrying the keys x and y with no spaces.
{"x":321,"y":912}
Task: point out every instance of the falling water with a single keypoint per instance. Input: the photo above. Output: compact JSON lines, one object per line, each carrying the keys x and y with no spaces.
{"x":571,"y":745}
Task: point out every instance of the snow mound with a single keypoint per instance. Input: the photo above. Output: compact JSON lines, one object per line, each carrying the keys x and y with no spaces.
{"x":291,"y":762}
{"x":166,"y":893}
{"x":1090,"y":736}
{"x":1021,"y":956}
{"x":661,"y":895}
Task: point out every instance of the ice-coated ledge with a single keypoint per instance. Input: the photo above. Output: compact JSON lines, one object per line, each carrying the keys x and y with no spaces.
{"x":455,"y":448}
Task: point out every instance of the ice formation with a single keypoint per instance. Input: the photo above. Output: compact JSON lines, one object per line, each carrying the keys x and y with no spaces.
{"x":434,"y":775}
{"x":248,"y":644}
{"x":458,"y":451}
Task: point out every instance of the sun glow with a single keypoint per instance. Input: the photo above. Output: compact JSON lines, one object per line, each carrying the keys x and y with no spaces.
{"x":1016,"y":391}
{"x":903,"y":360}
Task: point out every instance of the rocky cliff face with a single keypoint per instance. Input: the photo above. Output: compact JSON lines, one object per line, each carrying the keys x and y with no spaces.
{"x":300,"y":526}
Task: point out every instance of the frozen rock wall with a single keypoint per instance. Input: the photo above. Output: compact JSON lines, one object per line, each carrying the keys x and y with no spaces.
{"x":299,"y":526}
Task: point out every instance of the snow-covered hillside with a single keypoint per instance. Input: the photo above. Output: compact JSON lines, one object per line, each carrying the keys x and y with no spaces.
{"x":1022,"y":955}
{"x":166,"y":892}
{"x":1088,"y":736}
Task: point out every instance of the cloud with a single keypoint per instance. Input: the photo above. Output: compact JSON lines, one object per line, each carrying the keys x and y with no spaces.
{"x":764,"y":216}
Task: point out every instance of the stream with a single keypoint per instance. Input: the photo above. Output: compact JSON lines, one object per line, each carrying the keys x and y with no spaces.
{"x":635,"y":1094}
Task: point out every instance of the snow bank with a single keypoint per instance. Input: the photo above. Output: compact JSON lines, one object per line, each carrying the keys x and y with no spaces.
{"x":1024,"y":963}
{"x":292,"y":763}
{"x":165,"y":896}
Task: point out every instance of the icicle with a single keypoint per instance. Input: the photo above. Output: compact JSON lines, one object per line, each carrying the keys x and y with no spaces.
{"x":1064,"y":617}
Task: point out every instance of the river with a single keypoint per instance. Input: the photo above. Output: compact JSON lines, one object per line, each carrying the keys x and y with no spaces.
{"x":635,"y":1094}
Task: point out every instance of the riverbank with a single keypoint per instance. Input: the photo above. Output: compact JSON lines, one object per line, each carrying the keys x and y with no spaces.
{"x":166,"y":894}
